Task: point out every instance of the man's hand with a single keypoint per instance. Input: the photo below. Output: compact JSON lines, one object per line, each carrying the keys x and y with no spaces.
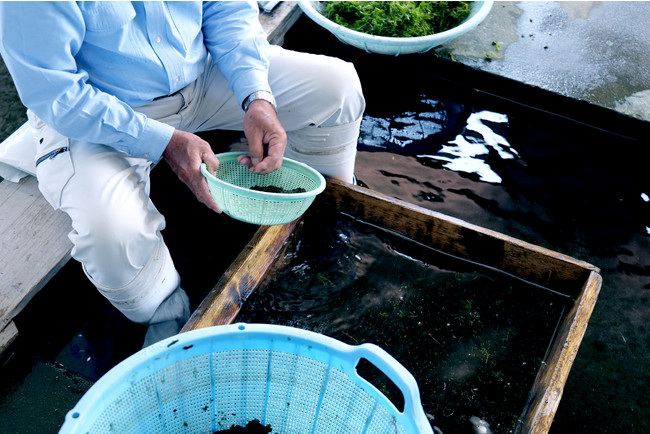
{"x":184,"y":154}
{"x":267,"y":139}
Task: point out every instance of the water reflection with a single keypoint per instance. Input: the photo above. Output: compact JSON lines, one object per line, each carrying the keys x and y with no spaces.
{"x":414,"y":133}
{"x":399,"y":132}
{"x":468,"y":152}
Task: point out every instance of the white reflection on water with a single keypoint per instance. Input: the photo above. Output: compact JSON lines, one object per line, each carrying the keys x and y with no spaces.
{"x":377,"y":132}
{"x":467,"y":153}
{"x":403,"y":129}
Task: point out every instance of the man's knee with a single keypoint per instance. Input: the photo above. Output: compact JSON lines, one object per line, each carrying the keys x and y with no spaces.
{"x":113,"y":260}
{"x":339,"y":83}
{"x":114,"y":241}
{"x":109,"y":228}
{"x":314,"y":89}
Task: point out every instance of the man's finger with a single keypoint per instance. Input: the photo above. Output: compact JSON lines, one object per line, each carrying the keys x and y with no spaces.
{"x":256,"y":154}
{"x":245,"y":160}
{"x":202,"y":193}
{"x":268,"y":165}
{"x":211,"y":161}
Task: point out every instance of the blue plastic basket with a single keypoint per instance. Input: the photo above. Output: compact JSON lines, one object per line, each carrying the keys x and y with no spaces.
{"x":209,"y":379}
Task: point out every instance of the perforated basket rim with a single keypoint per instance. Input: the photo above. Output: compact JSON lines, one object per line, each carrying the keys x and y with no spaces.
{"x":287,"y":163}
{"x":172,"y":350}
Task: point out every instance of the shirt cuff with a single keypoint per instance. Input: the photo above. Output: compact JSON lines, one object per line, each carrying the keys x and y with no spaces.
{"x":153,"y":141}
{"x":252,"y":82}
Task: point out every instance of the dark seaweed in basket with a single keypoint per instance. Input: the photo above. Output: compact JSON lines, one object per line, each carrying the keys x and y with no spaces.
{"x":252,"y":427}
{"x":275,"y":189}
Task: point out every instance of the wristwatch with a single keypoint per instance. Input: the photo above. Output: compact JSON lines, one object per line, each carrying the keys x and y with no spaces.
{"x":259,"y":94}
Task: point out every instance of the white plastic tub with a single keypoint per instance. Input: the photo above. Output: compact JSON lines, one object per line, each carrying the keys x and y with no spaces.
{"x":396,"y":46}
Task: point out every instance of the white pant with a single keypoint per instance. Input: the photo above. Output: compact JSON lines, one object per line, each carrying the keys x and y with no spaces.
{"x":116,"y":227}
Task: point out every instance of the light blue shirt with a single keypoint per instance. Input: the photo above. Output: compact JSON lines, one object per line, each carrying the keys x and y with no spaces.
{"x":82,"y":67}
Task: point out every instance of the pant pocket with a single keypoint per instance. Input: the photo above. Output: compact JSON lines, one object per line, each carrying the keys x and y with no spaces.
{"x":54,"y":166}
{"x":53,"y":171}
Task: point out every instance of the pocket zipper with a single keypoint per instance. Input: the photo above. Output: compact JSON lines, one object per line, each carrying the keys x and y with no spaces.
{"x":50,"y":155}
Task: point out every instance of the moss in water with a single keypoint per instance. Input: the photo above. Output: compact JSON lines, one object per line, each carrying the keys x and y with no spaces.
{"x":252,"y":427}
{"x":276,"y":189}
{"x":473,"y":339}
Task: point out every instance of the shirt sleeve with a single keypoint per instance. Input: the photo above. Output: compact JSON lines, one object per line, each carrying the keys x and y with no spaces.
{"x":38,"y":43}
{"x":238,"y":45}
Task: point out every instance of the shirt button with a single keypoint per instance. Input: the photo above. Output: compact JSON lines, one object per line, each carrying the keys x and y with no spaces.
{"x":146,"y":155}
{"x":157,"y":39}
{"x":176,"y":79}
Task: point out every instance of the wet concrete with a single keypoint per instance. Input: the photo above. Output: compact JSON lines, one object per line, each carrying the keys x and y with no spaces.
{"x":595,"y":52}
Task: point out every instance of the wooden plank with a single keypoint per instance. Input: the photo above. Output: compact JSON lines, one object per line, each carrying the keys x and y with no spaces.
{"x":33,"y":244}
{"x":7,"y":336}
{"x":276,"y":23}
{"x":258,"y":260}
{"x":545,"y":396}
{"x":428,"y":227}
{"x":456,"y":237}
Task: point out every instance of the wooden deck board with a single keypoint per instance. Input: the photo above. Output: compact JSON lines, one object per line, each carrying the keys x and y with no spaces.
{"x":279,"y":21}
{"x":33,"y":237}
{"x":7,"y":336}
{"x":33,"y":242}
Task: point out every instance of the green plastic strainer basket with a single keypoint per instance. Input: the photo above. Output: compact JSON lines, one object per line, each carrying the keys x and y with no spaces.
{"x":231,"y":189}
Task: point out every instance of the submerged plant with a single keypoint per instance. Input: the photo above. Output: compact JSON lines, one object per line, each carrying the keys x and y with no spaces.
{"x":397,"y":18}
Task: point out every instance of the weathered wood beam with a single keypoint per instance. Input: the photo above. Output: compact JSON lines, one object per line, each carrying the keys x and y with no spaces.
{"x":33,"y":245}
{"x":279,"y":21}
{"x":458,"y":238}
{"x":257,"y":261}
{"x":547,"y":390}
{"x":7,"y":336}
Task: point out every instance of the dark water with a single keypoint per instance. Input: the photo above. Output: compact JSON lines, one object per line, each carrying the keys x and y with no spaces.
{"x":473,"y":339}
{"x":566,"y":177}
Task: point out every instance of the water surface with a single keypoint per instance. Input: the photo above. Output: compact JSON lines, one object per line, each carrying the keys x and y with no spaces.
{"x":474,"y":339}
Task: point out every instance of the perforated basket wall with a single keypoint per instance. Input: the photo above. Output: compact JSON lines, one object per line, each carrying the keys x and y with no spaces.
{"x":210,"y":379}
{"x":231,"y":184}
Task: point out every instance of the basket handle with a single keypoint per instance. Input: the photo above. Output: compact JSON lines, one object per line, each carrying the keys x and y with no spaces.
{"x":399,"y":375}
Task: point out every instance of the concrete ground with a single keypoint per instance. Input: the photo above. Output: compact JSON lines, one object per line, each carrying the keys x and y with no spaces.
{"x":597,"y":52}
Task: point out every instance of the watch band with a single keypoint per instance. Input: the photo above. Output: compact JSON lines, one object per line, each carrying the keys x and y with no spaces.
{"x":259,"y":94}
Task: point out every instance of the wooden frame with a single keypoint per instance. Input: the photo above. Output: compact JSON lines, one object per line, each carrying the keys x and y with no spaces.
{"x":580,"y":280}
